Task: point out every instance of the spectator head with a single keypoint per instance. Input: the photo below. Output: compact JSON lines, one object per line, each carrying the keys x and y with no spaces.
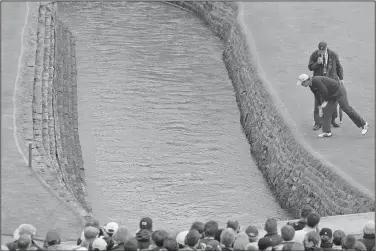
{"x":213,"y":245}
{"x":52,"y":238}
{"x":313,"y":220}
{"x":99,"y":244}
{"x":210,"y":228}
{"x":348,"y":242}
{"x":109,"y":240}
{"x":217,"y":236}
{"x":369,"y":228}
{"x":23,"y":242}
{"x":287,"y":233}
{"x":265,"y":243}
{"x":143,"y":238}
{"x":359,"y":246}
{"x":158,"y":237}
{"x":24,"y":229}
{"x":146,"y":223}
{"x":121,"y":235}
{"x":326,"y":235}
{"x":306,"y":210}
{"x":131,"y":245}
{"x":252,"y":233}
{"x":170,"y":244}
{"x":180,"y":238}
{"x":338,"y":237}
{"x":312,"y":240}
{"x":91,"y":233}
{"x":93,"y":223}
{"x":271,"y":226}
{"x":228,"y":237}
{"x":192,"y":238}
{"x":234,"y":224}
{"x":241,"y":242}
{"x":199,"y":226}
{"x":295,"y":246}
{"x":110,"y":228}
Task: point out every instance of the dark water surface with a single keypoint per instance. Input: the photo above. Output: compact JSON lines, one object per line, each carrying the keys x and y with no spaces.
{"x":159,"y":120}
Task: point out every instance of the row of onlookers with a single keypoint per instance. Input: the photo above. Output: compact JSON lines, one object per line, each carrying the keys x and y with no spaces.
{"x":304,"y":235}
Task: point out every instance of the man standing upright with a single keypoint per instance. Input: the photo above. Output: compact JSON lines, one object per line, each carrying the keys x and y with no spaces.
{"x":324,"y":62}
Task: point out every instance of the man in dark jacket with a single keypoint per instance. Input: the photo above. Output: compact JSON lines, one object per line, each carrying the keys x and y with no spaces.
{"x":331,"y":92}
{"x":272,"y":231}
{"x":325,"y":62}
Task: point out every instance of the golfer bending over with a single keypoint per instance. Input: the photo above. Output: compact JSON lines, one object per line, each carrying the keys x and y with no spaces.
{"x":331,"y":92}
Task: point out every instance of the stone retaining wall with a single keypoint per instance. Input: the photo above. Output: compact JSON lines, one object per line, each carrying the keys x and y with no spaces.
{"x":294,"y":172}
{"x":56,"y":152}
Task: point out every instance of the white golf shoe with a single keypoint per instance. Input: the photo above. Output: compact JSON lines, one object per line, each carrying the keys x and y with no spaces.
{"x":325,"y":135}
{"x":365,"y":129}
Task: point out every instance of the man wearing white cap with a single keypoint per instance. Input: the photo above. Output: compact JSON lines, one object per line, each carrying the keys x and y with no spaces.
{"x":325,"y":62}
{"x":331,"y":92}
{"x":110,"y":228}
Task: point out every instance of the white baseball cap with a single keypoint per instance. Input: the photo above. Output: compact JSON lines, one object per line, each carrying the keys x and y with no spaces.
{"x":303,"y":77}
{"x":180,"y":238}
{"x":100,"y":244}
{"x":111,"y":227}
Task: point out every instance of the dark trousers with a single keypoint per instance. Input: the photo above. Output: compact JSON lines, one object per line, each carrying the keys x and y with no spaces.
{"x":316,"y":116}
{"x":343,"y":102}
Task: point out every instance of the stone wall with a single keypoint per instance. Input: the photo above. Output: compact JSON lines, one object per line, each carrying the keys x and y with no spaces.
{"x":294,"y":172}
{"x":56,"y":150}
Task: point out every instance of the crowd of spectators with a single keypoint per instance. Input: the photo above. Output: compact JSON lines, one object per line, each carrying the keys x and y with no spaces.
{"x":303,"y":235}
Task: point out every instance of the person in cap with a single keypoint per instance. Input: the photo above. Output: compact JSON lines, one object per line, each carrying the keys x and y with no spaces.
{"x":313,"y":221}
{"x":326,"y":236}
{"x":369,"y":235}
{"x":191,"y":240}
{"x":272,"y":231}
{"x":252,"y":232}
{"x":324,"y":62}
{"x":180,"y":238}
{"x":110,"y":228}
{"x":99,"y":244}
{"x":338,"y":237}
{"x":302,"y":222}
{"x":265,"y":243}
{"x":234,"y":224}
{"x":287,"y":234}
{"x":331,"y":92}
